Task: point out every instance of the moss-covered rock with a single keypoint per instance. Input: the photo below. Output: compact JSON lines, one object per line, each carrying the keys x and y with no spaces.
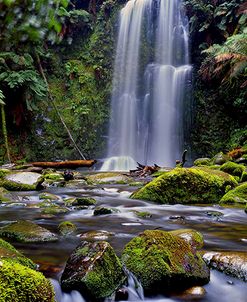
{"x":193,"y":237}
{"x":22,"y":181}
{"x":202,"y":162}
{"x":237,"y":196}
{"x":142,"y":214}
{"x":26,"y":231}
{"x":54,"y":176}
{"x":94,"y":270}
{"x":20,"y":283}
{"x":187,"y":186}
{"x":9,"y":253}
{"x":103,"y":211}
{"x":164,"y":262}
{"x":108,"y":177}
{"x":220,"y":159}
{"x":231,"y":263}
{"x":84,"y":201}
{"x":49,"y":196}
{"x":233,"y":168}
{"x":54,"y":209}
{"x":67,"y":227}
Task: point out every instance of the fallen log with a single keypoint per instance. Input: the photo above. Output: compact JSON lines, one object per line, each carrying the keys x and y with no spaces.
{"x":68,"y":164}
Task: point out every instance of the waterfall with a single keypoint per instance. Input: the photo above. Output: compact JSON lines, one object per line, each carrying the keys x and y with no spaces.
{"x":150,"y":76}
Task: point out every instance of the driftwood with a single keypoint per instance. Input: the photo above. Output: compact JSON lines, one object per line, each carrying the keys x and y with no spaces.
{"x":183,"y":161}
{"x":142,"y":170}
{"x":70,"y":164}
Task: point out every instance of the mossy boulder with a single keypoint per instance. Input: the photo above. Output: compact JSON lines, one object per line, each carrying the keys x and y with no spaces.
{"x":164,"y":262}
{"x":26,"y":231}
{"x":94,"y":270}
{"x":220,"y":159}
{"x":20,"y":283}
{"x":193,"y":237}
{"x":237,"y":196}
{"x":22,"y":181}
{"x":187,"y":186}
{"x":103,"y":211}
{"x":67,"y":227}
{"x":202,"y":162}
{"x":233,"y":169}
{"x":231,"y":263}
{"x":10,"y":253}
{"x":54,"y":209}
{"x":108,"y":177}
{"x":49,"y":196}
{"x":84,"y":201}
{"x":54,"y":176}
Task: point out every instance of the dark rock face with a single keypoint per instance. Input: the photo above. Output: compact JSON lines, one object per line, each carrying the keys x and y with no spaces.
{"x":164,"y":262}
{"x":94,"y":270}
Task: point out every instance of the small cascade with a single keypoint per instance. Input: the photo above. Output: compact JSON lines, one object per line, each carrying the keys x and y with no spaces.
{"x":151,"y":75}
{"x":73,"y":296}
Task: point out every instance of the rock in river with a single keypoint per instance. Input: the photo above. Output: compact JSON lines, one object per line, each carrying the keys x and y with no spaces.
{"x":22,"y":181}
{"x":94,"y":270}
{"x":187,"y":186}
{"x":26,"y":231}
{"x":164,"y":262}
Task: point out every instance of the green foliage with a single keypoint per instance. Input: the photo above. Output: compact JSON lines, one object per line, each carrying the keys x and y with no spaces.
{"x":30,"y":20}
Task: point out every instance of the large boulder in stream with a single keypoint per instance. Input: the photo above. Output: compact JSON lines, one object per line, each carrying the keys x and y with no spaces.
{"x":21,"y":181}
{"x":19,"y":281}
{"x":187,"y":186}
{"x":94,"y":270}
{"x":163,"y":262}
{"x":231,"y":263}
{"x":26,"y":231}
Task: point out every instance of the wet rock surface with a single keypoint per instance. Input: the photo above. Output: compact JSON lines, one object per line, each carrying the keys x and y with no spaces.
{"x":94,"y":270}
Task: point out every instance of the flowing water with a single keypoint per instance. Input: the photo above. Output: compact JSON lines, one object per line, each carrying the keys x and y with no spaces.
{"x":150,"y":78}
{"x":225,"y":232}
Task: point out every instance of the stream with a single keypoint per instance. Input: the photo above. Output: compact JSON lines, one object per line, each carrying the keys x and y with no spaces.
{"x":223,"y":229}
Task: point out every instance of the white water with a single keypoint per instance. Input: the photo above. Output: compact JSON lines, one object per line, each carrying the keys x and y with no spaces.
{"x":151,"y":68}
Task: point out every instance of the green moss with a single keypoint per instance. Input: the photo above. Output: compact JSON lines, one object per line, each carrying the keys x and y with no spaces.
{"x":54,"y":210}
{"x":194,"y":238}
{"x":4,"y":172}
{"x":26,"y":231}
{"x":14,"y":186}
{"x":237,"y":196}
{"x":48,"y":196}
{"x":244,"y":177}
{"x":103,"y":211}
{"x":233,"y":169}
{"x":54,"y":177}
{"x":19,"y":283}
{"x":143,"y":214}
{"x":109,"y":177}
{"x":162,"y":262}
{"x":9,"y":253}
{"x":181,"y":185}
{"x":84,"y":201}
{"x":67,"y":227}
{"x":202,"y":162}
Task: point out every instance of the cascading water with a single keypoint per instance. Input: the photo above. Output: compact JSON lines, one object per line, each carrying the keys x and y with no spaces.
{"x":150,"y":75}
